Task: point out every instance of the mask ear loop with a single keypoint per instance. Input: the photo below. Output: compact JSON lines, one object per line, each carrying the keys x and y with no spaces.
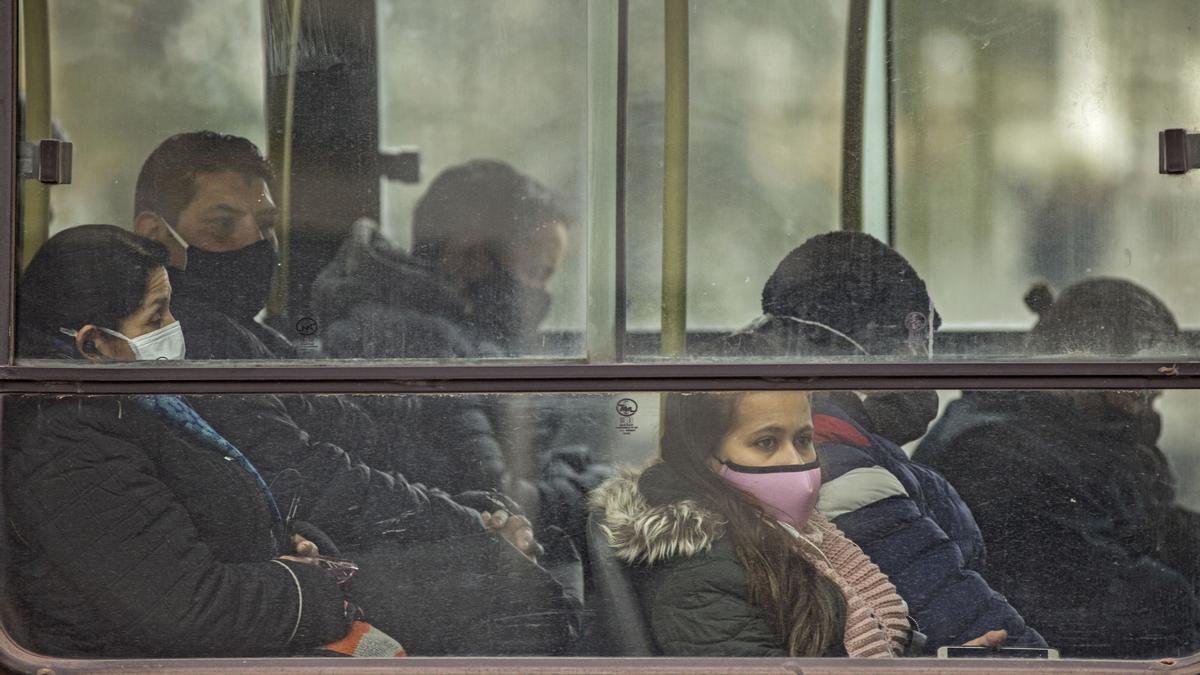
{"x":175,"y":234}
{"x":831,"y":329}
{"x":109,"y":331}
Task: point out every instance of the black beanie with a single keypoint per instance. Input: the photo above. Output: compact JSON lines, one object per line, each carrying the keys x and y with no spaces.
{"x":1100,"y":317}
{"x":853,"y":283}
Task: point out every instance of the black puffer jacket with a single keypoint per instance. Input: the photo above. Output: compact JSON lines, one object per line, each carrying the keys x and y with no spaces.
{"x":131,"y":539}
{"x":312,"y":448}
{"x":1077,"y":512}
{"x":353,"y":503}
{"x":212,"y":335}
{"x":373,"y":301}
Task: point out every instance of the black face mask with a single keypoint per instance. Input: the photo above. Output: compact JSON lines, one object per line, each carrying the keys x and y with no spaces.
{"x":902,"y":416}
{"x":238,"y":283}
{"x":506,"y":311}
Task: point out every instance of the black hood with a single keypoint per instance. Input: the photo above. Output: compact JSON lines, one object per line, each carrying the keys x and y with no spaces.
{"x":1034,"y":415}
{"x":370,"y":270}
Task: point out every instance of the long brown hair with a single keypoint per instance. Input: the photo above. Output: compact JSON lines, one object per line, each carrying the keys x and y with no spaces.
{"x":782,"y":582}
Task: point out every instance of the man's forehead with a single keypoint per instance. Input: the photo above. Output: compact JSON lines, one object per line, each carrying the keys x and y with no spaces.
{"x":232,"y":186}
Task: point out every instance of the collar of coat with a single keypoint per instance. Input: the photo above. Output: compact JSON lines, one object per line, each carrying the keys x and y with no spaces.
{"x":641,"y":533}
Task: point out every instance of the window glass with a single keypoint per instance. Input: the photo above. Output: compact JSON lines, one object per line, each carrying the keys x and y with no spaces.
{"x":182,"y":504}
{"x":111,"y":63}
{"x":1026,"y":150}
{"x":484,"y":256}
{"x":508,"y":81}
{"x":765,"y":128}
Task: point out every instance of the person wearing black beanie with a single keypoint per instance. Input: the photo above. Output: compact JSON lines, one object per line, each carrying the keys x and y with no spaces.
{"x":845,"y":295}
{"x":1089,"y":543}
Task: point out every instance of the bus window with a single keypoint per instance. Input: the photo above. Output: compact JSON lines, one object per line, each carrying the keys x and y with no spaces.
{"x":179,"y":500}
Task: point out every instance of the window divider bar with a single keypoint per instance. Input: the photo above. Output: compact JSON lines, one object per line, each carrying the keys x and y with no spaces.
{"x":8,"y":181}
{"x":603,"y":180}
{"x":599,"y":378}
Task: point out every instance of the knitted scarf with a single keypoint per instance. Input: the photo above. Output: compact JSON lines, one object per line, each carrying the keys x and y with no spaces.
{"x":876,"y":616}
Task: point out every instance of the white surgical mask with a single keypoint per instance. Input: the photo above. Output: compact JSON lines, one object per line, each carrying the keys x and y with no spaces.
{"x":164,"y":344}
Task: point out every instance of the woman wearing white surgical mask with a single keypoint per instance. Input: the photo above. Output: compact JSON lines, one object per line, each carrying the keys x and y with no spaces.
{"x":175,"y":520}
{"x":99,"y":293}
{"x":150,"y":333}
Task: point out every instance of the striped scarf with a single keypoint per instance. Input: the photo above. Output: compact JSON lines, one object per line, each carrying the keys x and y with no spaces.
{"x":876,"y":616}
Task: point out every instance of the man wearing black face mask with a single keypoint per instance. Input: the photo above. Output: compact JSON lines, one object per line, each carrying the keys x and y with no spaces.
{"x":208,"y":199}
{"x":487,"y":239}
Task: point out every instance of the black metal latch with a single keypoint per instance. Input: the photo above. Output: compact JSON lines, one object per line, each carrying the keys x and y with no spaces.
{"x":403,"y":165}
{"x":1178,"y":151}
{"x":47,"y":161}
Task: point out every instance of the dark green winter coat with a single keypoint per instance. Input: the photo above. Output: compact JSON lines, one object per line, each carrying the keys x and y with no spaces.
{"x":692,"y":586}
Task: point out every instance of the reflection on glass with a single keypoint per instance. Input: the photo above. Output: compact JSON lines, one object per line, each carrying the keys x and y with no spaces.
{"x":187,"y":505}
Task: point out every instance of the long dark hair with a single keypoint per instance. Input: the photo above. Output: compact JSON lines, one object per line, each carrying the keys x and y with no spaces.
{"x":782,"y":582}
{"x":90,"y":274}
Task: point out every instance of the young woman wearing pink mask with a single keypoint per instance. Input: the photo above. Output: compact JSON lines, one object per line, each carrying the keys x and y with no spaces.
{"x":727,"y":549}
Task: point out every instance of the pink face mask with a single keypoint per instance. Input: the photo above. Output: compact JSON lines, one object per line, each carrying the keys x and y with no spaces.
{"x":787,"y":493}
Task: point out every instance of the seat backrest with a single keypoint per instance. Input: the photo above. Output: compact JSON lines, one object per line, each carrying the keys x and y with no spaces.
{"x":620,"y":626}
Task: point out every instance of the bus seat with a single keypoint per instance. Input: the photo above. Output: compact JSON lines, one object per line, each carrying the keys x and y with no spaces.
{"x":620,"y":626}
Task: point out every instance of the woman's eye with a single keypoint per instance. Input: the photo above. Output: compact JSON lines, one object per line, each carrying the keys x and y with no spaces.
{"x":804,"y":440}
{"x":767,"y":443}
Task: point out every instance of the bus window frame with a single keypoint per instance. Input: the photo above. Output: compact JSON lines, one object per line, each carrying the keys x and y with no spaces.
{"x":525,"y":377}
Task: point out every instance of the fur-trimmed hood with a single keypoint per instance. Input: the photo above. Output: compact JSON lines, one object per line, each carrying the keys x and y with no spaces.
{"x":642,"y":533}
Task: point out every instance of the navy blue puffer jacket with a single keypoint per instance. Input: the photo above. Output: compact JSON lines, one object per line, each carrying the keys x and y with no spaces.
{"x":912,"y":523}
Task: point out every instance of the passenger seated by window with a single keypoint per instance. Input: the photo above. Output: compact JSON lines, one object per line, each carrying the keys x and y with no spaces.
{"x":207,"y":198}
{"x":135,"y":529}
{"x":1084,"y":536}
{"x":429,"y":569}
{"x":846,"y":294}
{"x":729,"y":552}
{"x":487,"y":239}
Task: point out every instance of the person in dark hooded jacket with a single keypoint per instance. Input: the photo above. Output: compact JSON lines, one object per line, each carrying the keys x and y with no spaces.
{"x":1083,"y":534}
{"x":486,"y":241}
{"x":845,"y":294}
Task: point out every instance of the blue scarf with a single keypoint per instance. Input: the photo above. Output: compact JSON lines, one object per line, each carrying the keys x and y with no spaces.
{"x":180,"y":414}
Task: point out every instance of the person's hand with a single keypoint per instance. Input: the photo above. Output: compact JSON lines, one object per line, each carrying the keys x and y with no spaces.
{"x":993,"y":639}
{"x":305,"y":552}
{"x":516,"y":530}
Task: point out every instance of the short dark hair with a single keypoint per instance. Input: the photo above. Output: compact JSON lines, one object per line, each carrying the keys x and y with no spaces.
{"x":91,"y":274}
{"x":484,"y":199}
{"x":167,"y":181}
